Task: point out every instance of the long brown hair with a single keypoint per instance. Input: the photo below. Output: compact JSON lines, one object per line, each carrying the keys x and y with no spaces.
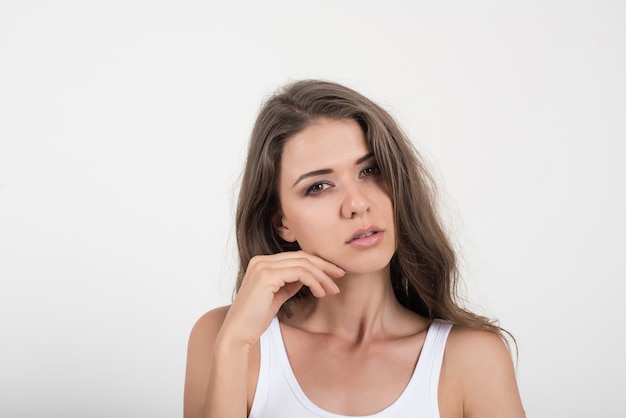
{"x":424,"y":272}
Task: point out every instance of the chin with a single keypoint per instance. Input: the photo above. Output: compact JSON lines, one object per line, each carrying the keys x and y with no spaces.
{"x":364,"y":265}
{"x":361,"y":270}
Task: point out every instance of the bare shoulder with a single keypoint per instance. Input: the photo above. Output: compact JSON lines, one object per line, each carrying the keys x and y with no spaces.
{"x":478,"y":370}
{"x":203,"y":336}
{"x":199,"y":348}
{"x":475,"y":349}
{"x":209,"y":324}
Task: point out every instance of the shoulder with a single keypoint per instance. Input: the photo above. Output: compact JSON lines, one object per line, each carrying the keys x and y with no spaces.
{"x":209,"y":324}
{"x":472,"y":348}
{"x":202,"y":337}
{"x":199,"y":348}
{"x":478,"y":369}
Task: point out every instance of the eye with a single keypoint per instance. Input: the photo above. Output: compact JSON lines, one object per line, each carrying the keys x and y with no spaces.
{"x":370,"y":171}
{"x":317,"y":188}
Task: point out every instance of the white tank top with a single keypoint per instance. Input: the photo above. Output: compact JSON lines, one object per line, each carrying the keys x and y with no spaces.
{"x":278,"y":394}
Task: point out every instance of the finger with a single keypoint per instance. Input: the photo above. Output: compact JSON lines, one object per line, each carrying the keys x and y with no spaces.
{"x":302,"y":269}
{"x":286,"y":292}
{"x":312,"y":279}
{"x":329,"y":268}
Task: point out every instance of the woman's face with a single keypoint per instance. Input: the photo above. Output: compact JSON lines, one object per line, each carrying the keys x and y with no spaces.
{"x":334,"y":201}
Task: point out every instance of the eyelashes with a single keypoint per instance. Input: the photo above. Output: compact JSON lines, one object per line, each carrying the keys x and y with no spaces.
{"x":372,"y":170}
{"x":317,"y":188}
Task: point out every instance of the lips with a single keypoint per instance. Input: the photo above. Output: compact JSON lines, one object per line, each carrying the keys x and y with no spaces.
{"x":364,"y":233}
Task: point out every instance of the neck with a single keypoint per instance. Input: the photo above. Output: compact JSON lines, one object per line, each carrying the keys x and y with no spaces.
{"x":365,"y":308}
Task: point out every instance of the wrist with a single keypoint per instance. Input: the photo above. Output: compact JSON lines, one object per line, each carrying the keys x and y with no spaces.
{"x":229,"y":342}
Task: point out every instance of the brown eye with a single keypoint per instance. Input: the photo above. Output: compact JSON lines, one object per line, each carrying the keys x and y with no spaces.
{"x":317,"y":188}
{"x":370,"y":171}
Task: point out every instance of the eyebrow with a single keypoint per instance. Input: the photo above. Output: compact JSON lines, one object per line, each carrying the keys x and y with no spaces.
{"x":328,"y":170}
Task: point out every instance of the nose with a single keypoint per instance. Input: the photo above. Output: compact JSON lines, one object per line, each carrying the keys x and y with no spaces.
{"x":355,"y":202}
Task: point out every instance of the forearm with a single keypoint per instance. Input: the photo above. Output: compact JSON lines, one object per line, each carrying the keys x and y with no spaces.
{"x":227,"y":389}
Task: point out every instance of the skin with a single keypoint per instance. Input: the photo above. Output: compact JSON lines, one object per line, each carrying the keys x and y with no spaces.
{"x":353,"y":326}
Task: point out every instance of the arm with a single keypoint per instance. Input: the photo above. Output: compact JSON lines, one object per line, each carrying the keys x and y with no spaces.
{"x":215,"y":370}
{"x":220,"y":345}
{"x":200,"y":357}
{"x":479,"y":367}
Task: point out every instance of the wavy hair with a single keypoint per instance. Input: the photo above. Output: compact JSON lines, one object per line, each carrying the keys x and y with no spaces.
{"x":424,"y":272}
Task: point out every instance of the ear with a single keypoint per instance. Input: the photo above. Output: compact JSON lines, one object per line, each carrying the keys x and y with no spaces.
{"x":282,"y":228}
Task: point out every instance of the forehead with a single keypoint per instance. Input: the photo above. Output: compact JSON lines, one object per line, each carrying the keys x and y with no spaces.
{"x":324,"y":144}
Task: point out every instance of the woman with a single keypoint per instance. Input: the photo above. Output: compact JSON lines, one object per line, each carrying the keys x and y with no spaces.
{"x":345,"y":302}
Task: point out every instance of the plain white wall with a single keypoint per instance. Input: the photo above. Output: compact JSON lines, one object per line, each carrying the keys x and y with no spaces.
{"x":123,"y":126}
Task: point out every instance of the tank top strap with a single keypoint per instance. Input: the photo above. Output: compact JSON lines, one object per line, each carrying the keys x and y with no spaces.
{"x":278,"y":389}
{"x":424,"y":385}
{"x":266,"y":361}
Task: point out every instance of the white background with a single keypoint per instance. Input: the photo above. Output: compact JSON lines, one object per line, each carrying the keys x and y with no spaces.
{"x":123,"y":127}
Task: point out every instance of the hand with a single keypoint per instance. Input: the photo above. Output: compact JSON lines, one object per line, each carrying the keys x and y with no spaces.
{"x":270,"y":280}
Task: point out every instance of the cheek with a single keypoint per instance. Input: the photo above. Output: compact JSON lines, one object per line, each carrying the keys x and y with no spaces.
{"x":310,"y":221}
{"x":310,"y":225}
